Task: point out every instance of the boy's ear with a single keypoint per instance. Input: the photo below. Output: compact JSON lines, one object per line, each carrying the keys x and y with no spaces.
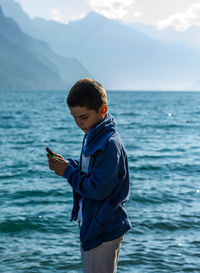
{"x":104,"y":110}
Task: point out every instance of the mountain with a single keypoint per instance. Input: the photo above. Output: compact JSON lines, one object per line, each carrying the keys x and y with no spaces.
{"x":19,"y":67}
{"x":190,"y":37}
{"x":27,"y":63}
{"x":119,"y":56}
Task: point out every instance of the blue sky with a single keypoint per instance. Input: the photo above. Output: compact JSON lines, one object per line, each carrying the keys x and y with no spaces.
{"x":161,"y":13}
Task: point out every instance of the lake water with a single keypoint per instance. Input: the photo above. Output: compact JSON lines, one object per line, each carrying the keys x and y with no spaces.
{"x":161,"y":133}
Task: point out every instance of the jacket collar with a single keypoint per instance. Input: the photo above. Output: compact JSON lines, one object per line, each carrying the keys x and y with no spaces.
{"x":98,"y":136}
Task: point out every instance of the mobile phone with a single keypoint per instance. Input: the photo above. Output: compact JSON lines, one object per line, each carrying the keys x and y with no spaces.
{"x":50,"y":153}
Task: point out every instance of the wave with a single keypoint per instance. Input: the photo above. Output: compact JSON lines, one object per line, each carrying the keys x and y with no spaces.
{"x":156,"y":198}
{"x":171,"y":225}
{"x":33,"y":224}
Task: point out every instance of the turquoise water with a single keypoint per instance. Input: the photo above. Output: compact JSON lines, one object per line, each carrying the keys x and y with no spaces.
{"x":161,"y":134}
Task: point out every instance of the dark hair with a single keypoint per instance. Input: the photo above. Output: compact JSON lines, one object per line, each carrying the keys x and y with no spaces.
{"x":87,"y":93}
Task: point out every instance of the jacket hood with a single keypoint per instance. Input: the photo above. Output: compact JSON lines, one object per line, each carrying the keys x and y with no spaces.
{"x":98,"y":136}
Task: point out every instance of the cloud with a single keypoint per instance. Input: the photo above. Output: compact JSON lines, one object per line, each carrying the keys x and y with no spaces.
{"x":78,"y":17}
{"x":56,"y":16}
{"x":181,"y":21}
{"x":125,"y":10}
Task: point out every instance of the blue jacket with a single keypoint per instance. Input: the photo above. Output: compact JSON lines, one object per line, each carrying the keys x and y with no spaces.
{"x":105,"y":187}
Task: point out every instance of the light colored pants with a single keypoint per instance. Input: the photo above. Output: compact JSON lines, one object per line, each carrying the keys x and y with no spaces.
{"x":102,"y":259}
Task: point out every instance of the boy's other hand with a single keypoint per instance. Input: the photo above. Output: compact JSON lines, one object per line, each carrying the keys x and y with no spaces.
{"x":57,"y":164}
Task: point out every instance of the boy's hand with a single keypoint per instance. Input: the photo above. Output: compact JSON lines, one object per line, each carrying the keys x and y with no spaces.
{"x":57,"y":164}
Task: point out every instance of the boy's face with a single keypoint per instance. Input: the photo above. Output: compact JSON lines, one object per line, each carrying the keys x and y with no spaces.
{"x":87,"y":119}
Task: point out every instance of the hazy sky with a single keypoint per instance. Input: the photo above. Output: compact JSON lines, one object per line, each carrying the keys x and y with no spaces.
{"x":162,"y":13}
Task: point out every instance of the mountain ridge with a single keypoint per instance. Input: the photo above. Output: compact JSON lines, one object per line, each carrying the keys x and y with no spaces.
{"x":117,"y":55}
{"x":189,"y":37}
{"x":28,"y":63}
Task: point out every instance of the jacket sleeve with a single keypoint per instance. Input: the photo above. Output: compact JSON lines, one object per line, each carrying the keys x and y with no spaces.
{"x":73,"y":162}
{"x":103,"y":177}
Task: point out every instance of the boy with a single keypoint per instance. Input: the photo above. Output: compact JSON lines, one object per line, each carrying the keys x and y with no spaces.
{"x":100,"y":180}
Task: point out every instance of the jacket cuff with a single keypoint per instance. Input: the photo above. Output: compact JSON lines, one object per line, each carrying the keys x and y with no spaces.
{"x":68,"y":171}
{"x":73,"y":162}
